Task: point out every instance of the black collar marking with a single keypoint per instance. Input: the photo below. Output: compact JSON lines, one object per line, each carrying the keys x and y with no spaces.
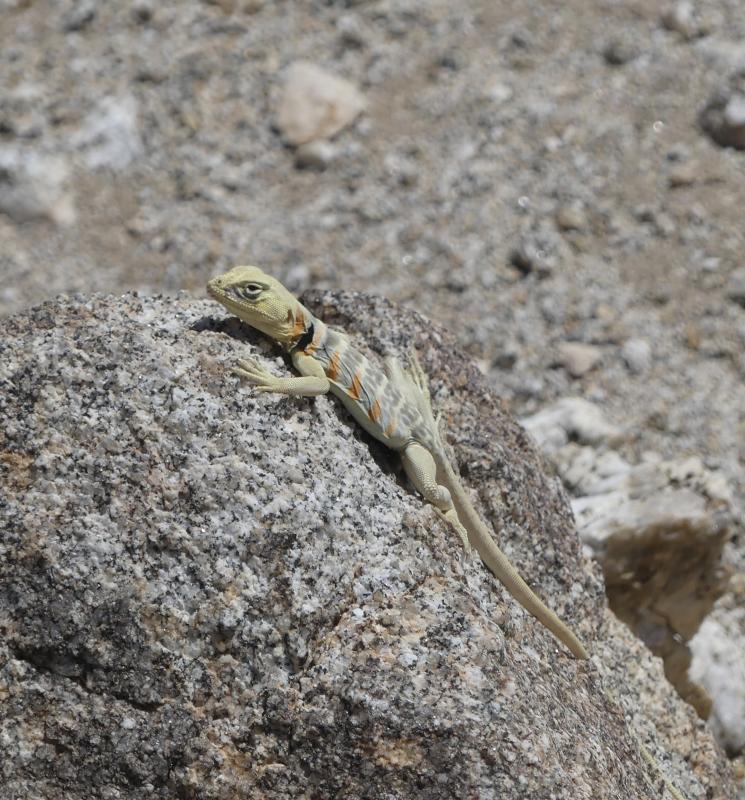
{"x":305,"y":339}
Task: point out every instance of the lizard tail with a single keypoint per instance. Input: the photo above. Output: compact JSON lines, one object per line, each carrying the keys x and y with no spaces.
{"x":497,"y":561}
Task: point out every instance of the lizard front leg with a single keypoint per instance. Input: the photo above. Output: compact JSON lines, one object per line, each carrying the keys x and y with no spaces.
{"x":311,"y":383}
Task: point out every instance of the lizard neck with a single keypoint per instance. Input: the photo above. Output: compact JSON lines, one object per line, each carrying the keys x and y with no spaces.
{"x":307,"y":331}
{"x":306,"y":338}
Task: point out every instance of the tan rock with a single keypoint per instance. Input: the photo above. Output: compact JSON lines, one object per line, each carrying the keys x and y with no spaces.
{"x":316,"y":104}
{"x":683,"y":174}
{"x":571,"y":218}
{"x":579,"y":358}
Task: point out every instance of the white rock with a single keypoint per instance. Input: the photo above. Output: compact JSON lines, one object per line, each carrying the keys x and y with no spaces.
{"x":637,"y":354}
{"x":719,"y":665}
{"x":316,"y":104}
{"x":588,"y":472}
{"x":35,"y":186}
{"x":497,"y":91}
{"x":722,"y":54}
{"x":110,"y":134}
{"x":572,"y":418}
{"x":734,"y":111}
{"x":579,"y":358}
{"x":615,"y":514}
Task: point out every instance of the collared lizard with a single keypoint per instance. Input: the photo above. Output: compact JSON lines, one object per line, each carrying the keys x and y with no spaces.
{"x":391,"y":403}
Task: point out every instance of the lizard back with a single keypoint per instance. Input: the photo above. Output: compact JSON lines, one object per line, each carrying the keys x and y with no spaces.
{"x":379,"y":396}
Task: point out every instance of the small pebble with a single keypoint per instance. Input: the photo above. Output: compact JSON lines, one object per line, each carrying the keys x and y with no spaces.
{"x":637,"y":354}
{"x":620,"y":50}
{"x":724,"y":117}
{"x":80,"y":16}
{"x":316,"y":155}
{"x":507,"y":357}
{"x":680,"y":18}
{"x":571,"y":218}
{"x":143,"y":10}
{"x":736,"y":286}
{"x":579,"y":358}
{"x":683,"y":173}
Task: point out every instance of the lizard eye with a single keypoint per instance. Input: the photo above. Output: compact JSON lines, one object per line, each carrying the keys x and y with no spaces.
{"x":249,"y":291}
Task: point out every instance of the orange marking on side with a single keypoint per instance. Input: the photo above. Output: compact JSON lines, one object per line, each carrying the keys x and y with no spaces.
{"x":375,"y":412}
{"x":356,"y":391}
{"x":298,"y":325}
{"x":390,"y":428}
{"x":332,"y":373}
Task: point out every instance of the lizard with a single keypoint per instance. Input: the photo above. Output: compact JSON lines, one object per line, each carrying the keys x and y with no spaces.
{"x":391,"y":403}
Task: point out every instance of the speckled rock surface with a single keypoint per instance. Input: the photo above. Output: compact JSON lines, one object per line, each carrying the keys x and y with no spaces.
{"x":210,"y":594}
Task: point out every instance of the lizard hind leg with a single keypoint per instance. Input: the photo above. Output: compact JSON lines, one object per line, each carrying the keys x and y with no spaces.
{"x":422,"y":471}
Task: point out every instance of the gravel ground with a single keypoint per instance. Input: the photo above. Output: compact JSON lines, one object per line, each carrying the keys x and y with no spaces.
{"x":533,"y":180}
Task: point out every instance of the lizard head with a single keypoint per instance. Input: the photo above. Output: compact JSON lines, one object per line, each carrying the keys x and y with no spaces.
{"x":259,"y":300}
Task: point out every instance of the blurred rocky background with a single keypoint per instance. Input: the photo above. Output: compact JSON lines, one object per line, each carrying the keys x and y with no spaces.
{"x":563,"y":188}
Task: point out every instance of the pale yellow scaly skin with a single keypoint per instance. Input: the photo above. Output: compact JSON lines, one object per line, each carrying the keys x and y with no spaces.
{"x":392,"y":404}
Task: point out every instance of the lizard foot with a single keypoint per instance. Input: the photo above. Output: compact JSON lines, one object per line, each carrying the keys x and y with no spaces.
{"x":451,"y":517}
{"x":256,"y":375}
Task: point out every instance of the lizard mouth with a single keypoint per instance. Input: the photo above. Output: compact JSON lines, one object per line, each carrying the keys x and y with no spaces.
{"x":214,"y":291}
